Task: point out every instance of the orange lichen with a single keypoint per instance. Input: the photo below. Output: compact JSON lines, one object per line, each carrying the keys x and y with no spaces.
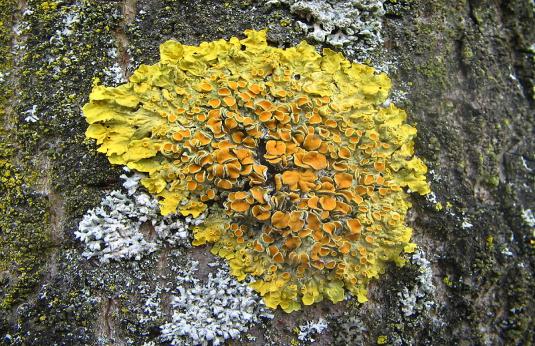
{"x":300,"y":178}
{"x":328,"y":203}
{"x":315,"y":160}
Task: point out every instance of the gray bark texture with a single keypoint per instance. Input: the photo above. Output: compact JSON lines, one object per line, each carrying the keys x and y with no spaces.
{"x":464,"y":72}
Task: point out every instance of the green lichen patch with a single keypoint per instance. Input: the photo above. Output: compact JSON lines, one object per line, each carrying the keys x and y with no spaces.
{"x":23,"y":212}
{"x":45,"y":45}
{"x":23,"y":236}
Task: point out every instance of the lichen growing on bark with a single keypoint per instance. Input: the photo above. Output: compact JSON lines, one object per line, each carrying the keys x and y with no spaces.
{"x":296,"y":147}
{"x":23,"y":211}
{"x":466,"y":72}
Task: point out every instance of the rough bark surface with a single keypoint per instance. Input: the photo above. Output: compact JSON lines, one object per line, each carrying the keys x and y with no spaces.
{"x":463,"y":70}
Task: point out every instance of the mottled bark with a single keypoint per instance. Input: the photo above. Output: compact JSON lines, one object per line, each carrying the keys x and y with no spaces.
{"x":463,"y":70}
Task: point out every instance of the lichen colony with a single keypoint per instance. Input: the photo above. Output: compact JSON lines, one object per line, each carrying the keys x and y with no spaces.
{"x":295,"y":159}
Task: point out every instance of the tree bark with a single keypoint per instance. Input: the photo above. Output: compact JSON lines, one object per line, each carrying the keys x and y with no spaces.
{"x":463,"y":71}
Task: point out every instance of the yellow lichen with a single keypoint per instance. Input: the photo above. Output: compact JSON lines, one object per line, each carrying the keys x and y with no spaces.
{"x":295,"y":147}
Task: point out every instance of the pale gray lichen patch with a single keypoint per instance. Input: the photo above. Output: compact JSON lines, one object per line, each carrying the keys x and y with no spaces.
{"x":350,"y":331}
{"x":114,"y":229}
{"x":311,"y":329}
{"x":419,"y":297}
{"x":354,"y":26}
{"x":211,"y":312}
{"x":466,"y":223}
{"x":31,"y":114}
{"x":528,"y":217}
{"x":114,"y":74}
